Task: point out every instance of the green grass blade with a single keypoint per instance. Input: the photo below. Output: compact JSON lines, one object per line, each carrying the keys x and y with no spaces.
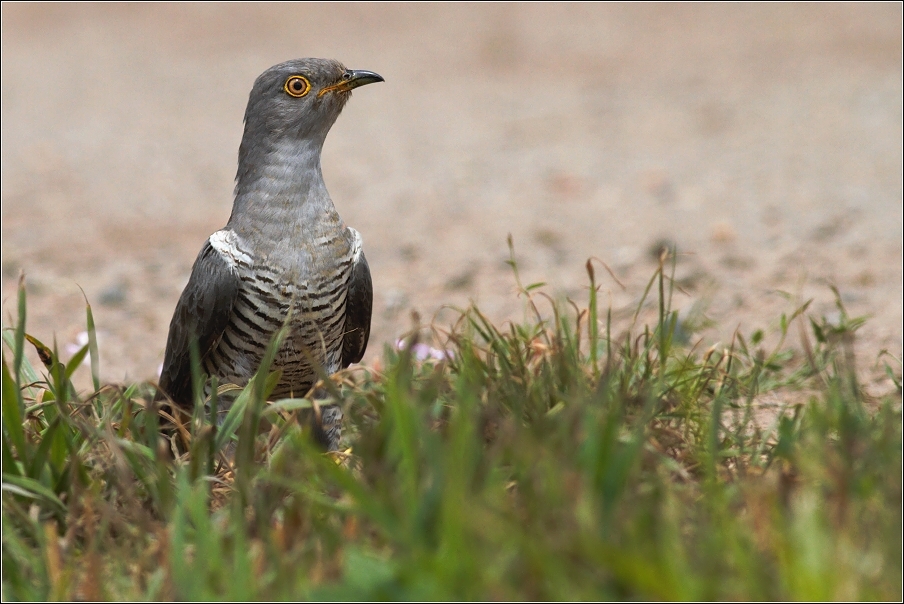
{"x":75,"y":361}
{"x":12,"y":407}
{"x":28,"y":373}
{"x":9,"y":462}
{"x":40,"y":457}
{"x":19,"y":343}
{"x":592,"y":325}
{"x":92,"y":347}
{"x":287,"y":404}
{"x":38,"y":490}
{"x":233,"y":419}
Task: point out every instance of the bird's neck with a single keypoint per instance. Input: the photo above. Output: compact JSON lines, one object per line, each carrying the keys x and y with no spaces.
{"x":279,"y":190}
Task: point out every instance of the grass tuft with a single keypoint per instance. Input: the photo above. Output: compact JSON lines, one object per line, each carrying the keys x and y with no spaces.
{"x":549,"y":459}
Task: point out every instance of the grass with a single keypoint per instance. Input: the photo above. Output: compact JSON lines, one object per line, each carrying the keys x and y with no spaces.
{"x":551,"y":459}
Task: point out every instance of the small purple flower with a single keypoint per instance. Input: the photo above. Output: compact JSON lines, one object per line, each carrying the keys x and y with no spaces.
{"x":81,"y":338}
{"x":422,"y":352}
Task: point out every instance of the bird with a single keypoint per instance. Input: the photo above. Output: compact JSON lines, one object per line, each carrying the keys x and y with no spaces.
{"x":285,"y":257}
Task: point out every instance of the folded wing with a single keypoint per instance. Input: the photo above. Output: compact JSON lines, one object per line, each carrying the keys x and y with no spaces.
{"x":358,"y":307}
{"x":203,"y":313}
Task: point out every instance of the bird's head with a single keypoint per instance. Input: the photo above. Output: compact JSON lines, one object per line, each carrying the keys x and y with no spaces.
{"x":301,"y":99}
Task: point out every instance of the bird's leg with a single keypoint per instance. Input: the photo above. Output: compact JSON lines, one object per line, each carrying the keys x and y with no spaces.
{"x":326,"y":420}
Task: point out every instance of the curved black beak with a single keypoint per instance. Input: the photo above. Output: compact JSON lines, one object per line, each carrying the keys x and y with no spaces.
{"x":351,"y":79}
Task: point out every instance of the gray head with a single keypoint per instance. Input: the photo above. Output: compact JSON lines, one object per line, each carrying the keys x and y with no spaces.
{"x":299,"y":101}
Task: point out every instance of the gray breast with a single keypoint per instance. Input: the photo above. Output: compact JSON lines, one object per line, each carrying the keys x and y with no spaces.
{"x":273,"y":292}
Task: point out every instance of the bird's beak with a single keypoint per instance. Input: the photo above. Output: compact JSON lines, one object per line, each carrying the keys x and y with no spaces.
{"x":351,"y":79}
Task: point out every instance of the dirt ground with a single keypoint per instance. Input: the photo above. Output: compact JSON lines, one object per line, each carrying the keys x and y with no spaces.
{"x":765,"y":141}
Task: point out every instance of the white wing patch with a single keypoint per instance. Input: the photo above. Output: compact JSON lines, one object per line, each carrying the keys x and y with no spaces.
{"x":357,"y":245}
{"x":227,"y":244}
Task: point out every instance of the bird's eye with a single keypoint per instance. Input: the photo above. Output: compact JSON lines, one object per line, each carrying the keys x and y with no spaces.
{"x":297,"y":86}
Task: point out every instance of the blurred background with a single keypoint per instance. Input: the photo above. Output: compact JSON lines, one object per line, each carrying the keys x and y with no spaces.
{"x":764,"y":141}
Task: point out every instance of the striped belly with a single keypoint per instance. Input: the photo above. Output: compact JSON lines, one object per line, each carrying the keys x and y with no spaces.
{"x":313,"y":312}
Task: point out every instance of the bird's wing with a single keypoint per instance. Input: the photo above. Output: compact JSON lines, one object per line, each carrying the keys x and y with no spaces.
{"x":358,"y":307}
{"x":203,"y":312}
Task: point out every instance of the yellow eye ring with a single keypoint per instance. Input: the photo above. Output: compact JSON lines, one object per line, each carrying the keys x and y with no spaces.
{"x":297,"y":86}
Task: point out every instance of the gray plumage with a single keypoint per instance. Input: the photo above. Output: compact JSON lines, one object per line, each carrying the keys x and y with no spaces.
{"x":285,"y":252}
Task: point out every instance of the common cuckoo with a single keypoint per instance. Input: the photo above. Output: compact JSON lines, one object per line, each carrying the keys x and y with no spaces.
{"x":284,"y":257}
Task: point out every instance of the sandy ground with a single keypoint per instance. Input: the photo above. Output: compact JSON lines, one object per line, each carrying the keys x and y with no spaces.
{"x":764,"y":141}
